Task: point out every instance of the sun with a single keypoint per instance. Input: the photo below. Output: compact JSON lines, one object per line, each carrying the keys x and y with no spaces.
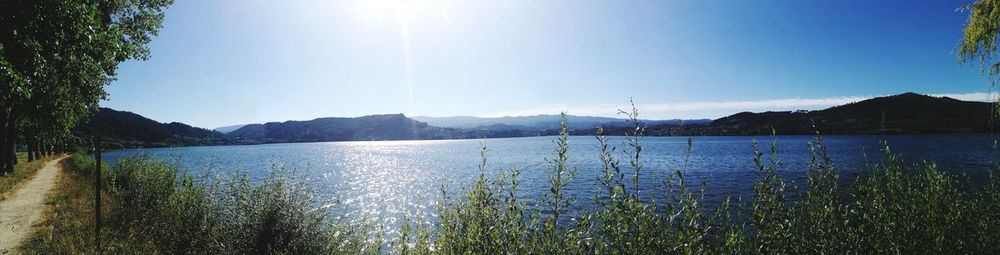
{"x":400,"y":8}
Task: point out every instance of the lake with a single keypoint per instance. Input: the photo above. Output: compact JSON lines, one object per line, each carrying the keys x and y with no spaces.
{"x":384,"y":180}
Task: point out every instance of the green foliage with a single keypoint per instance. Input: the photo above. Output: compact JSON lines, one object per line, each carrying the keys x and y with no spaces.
{"x":559,"y":176}
{"x":767,"y":209}
{"x":56,"y":56}
{"x":226,"y":216}
{"x":490,"y":220}
{"x":79,"y":162}
{"x":979,"y":40}
{"x":979,"y":37}
{"x":904,"y":208}
{"x":153,"y":207}
{"x":67,"y":226}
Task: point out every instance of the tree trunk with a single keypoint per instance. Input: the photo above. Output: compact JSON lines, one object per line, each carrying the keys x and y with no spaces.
{"x":6,"y":140}
{"x":34,"y":148}
{"x":31,"y":151}
{"x":4,"y":168}
{"x":12,"y":141}
{"x":12,"y":135}
{"x":45,"y":148}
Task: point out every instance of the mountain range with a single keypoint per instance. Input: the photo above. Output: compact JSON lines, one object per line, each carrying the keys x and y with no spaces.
{"x":227,"y":129}
{"x":371,"y":127}
{"x":542,"y":122}
{"x":907,"y":113}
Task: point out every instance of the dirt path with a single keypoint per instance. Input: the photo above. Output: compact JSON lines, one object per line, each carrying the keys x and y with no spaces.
{"x":24,"y":206}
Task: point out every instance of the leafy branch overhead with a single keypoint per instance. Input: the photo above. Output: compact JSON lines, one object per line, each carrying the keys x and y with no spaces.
{"x":979,"y":38}
{"x":56,"y":56}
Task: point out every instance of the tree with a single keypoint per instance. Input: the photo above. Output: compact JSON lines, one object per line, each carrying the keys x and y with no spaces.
{"x":56,"y":56}
{"x":979,"y":37}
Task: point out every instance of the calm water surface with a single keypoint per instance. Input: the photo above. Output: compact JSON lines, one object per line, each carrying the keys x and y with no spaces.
{"x":388,"y":179}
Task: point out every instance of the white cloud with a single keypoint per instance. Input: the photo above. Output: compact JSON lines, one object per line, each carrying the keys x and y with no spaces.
{"x":975,"y":96}
{"x":715,"y":109}
{"x":770,"y":104}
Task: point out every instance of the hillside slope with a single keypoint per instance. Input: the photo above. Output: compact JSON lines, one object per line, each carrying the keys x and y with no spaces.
{"x":365,"y":128}
{"x":907,"y":113}
{"x":538,"y":122}
{"x":122,"y":129}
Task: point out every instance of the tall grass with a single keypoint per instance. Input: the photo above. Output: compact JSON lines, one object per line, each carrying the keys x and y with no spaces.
{"x":154,"y":208}
{"x":68,"y":223}
{"x":896,"y":207}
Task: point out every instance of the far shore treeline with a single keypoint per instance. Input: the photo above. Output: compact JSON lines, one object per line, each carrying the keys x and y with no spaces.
{"x":907,"y":113}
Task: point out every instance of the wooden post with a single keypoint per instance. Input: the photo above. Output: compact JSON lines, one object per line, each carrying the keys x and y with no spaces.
{"x":97,"y":192}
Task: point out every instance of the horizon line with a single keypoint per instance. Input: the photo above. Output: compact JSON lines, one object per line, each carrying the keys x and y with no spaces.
{"x":662,"y":109}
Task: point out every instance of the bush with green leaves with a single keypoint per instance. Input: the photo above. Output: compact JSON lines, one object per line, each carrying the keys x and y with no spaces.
{"x":225,"y":214}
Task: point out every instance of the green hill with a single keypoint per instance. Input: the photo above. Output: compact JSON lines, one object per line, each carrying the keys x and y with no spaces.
{"x":365,"y":128}
{"x":121,"y":129}
{"x":907,"y":113}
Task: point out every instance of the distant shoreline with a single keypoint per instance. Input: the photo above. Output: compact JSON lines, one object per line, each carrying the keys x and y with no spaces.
{"x":525,"y":137}
{"x":902,"y":114}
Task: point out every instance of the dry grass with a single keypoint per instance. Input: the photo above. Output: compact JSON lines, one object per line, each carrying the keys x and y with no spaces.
{"x":23,"y":171}
{"x":67,"y":227}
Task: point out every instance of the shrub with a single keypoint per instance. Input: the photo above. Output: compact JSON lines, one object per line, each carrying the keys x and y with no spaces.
{"x":279,"y":216}
{"x":157,"y":207}
{"x":68,"y":224}
{"x":895,"y":208}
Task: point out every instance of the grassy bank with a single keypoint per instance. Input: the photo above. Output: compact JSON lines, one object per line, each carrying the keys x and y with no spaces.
{"x":151,"y":208}
{"x":23,"y":171}
{"x":897,"y":207}
{"x":67,"y":226}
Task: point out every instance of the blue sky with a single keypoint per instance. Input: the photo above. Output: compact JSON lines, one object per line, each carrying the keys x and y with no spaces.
{"x":226,"y":62}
